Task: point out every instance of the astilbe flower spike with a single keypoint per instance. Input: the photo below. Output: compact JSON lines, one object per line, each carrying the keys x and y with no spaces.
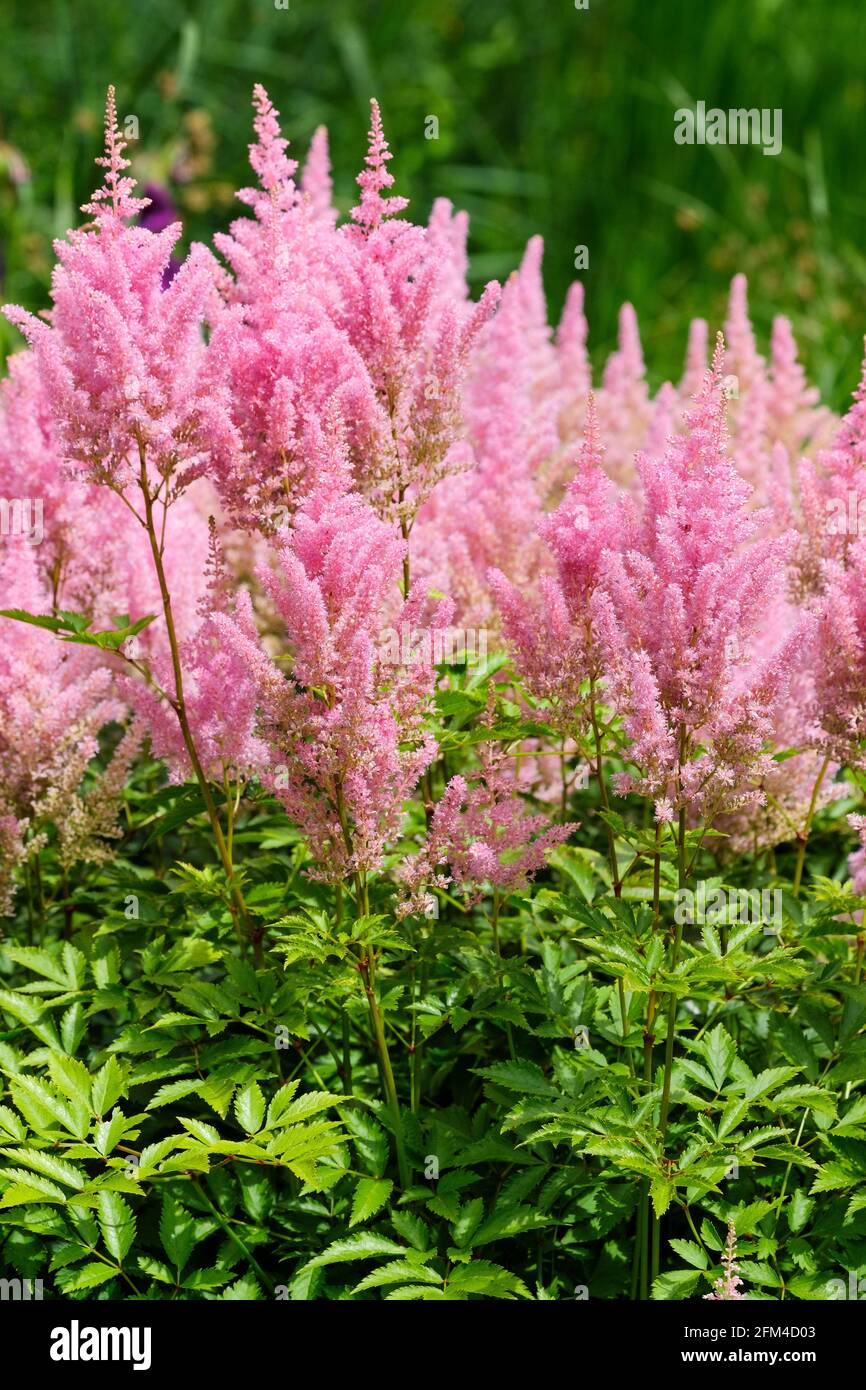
{"x":375,"y":177}
{"x":555,"y":648}
{"x":316,"y":181}
{"x":346,"y":727}
{"x":838,"y":630}
{"x":124,"y":364}
{"x":482,"y":831}
{"x":53,"y":706}
{"x":220,"y":695}
{"x":487,"y":516}
{"x":623,"y":403}
{"x":728,"y":1286}
{"x":414,"y":339}
{"x":795,"y":418}
{"x":93,"y":556}
{"x":675,"y":614}
{"x":121,"y":359}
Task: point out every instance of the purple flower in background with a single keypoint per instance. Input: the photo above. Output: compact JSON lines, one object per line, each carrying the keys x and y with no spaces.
{"x":160,"y":214}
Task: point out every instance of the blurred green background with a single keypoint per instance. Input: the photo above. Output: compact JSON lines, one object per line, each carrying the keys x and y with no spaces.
{"x":552,"y":119}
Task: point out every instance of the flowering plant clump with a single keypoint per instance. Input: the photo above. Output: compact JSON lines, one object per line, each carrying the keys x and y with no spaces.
{"x":383,"y":700}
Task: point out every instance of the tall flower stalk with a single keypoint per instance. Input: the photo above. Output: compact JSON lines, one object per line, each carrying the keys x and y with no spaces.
{"x":122,"y":364}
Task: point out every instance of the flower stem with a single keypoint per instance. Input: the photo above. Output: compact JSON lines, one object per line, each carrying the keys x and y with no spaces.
{"x":368,"y":974}
{"x":238,"y":906}
{"x":803,"y":836}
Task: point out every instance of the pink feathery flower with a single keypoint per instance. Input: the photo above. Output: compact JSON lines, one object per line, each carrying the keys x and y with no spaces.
{"x":347,"y":729}
{"x":280,"y":259}
{"x":481,"y":830}
{"x":839,"y":658}
{"x":675,"y":614}
{"x":114,"y":202}
{"x":857,"y":860}
{"x":797,"y":785}
{"x":555,"y":648}
{"x":825,"y":498}
{"x":300,"y":410}
{"x":220,"y":693}
{"x":663,"y":421}
{"x":487,"y":518}
{"x":696,"y":362}
{"x":447,"y":234}
{"x":623,"y":403}
{"x":747,"y":390}
{"x":851,"y":435}
{"x":316,"y":181}
{"x":121,"y":358}
{"x":53,"y":705}
{"x":575,"y":368}
{"x":375,"y":178}
{"x":571,"y":340}
{"x":728,"y":1286}
{"x":840,"y":480}
{"x":413,"y":337}
{"x":268,"y":156}
{"x":794,"y":417}
{"x":544,"y":366}
{"x":92,"y":555}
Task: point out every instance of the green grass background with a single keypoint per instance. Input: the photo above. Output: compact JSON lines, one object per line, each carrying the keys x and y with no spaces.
{"x":551,"y":120}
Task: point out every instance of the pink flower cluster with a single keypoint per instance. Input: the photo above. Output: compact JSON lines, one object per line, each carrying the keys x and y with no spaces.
{"x":366,"y":438}
{"x":54,"y":702}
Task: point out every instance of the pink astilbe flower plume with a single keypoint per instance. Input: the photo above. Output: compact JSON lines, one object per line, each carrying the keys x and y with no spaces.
{"x":220,"y":693}
{"x":794,"y":416}
{"x":316,"y":181}
{"x":375,"y":177}
{"x":623,"y":403}
{"x":276,"y":257}
{"x":114,"y":202}
{"x":575,"y":368}
{"x":93,"y":556}
{"x":747,"y":390}
{"x":53,"y":705}
{"x":839,"y":659}
{"x":447,"y":233}
{"x":126,"y":369}
{"x":300,"y":410}
{"x":729,"y":1285}
{"x":487,"y":518}
{"x":675,"y":615}
{"x":347,"y":728}
{"x":268,"y":157}
{"x":482,"y":831}
{"x":825,"y":497}
{"x":555,"y":648}
{"x":413,"y":336}
{"x":120,"y":359}
{"x":696,"y":362}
